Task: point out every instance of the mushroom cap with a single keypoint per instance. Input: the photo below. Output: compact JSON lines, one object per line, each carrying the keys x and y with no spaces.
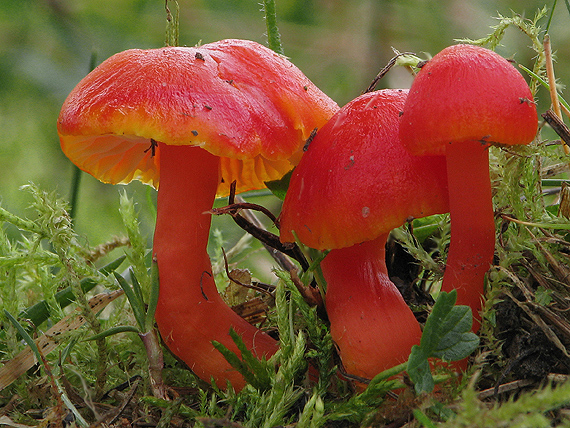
{"x":356,"y":181}
{"x":467,"y":93}
{"x":235,"y":98}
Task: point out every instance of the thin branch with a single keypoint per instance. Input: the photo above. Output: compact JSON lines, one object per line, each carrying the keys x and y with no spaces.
{"x":235,"y":208}
{"x":384,"y":71}
{"x":552,"y":88}
{"x":273,"y":36}
{"x":559,"y":127}
{"x":172,"y":24}
{"x":238,"y":282}
{"x":268,"y":239}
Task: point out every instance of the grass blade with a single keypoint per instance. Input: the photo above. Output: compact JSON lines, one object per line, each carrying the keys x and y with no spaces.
{"x":134,"y":300}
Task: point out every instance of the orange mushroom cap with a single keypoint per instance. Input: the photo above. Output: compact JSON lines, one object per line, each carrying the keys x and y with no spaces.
{"x":235,"y":98}
{"x":467,"y":93}
{"x":356,"y":181}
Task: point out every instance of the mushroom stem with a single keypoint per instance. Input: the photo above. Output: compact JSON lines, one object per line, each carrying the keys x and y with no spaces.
{"x":472,"y":223}
{"x":370,"y":322}
{"x":190,"y":312}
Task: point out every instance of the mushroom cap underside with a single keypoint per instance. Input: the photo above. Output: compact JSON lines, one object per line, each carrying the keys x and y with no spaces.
{"x":235,"y":98}
{"x":467,"y":93}
{"x":356,"y":181}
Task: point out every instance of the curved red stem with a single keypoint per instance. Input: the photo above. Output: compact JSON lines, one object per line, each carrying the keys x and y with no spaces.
{"x":190,"y":312}
{"x":370,"y":322}
{"x":472,"y":243}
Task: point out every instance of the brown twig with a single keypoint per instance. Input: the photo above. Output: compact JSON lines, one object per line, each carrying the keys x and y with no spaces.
{"x":506,"y":387}
{"x":384,"y":71}
{"x":283,"y":260}
{"x":268,"y":239}
{"x":238,"y":282}
{"x":552,"y":87}
{"x":558,"y":126}
{"x":553,"y":170}
{"x":528,"y":306}
{"x":114,"y":415}
{"x":234,"y":208}
{"x":105,"y":248}
{"x":311,"y":295}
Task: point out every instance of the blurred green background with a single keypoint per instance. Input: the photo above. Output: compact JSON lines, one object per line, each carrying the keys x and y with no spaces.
{"x":46,"y":46}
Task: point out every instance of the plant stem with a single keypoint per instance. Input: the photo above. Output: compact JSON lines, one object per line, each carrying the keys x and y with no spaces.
{"x":564,"y":104}
{"x":273,"y":36}
{"x":562,"y":226}
{"x":20,"y":223}
{"x":172,"y":24}
{"x":74,"y":194}
{"x":155,"y":362}
{"x":92,"y":322}
{"x":77,"y":173}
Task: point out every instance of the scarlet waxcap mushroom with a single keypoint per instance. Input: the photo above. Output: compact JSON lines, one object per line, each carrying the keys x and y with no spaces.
{"x":194,"y":119}
{"x":463,"y":100}
{"x":236,"y":98}
{"x":356,"y":183}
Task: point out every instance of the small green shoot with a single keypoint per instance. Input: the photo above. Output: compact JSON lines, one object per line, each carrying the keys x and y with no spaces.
{"x":447,"y":335}
{"x":172,"y":23}
{"x":275,"y":384}
{"x":273,"y":36}
{"x":142,"y":287}
{"x":255,"y":372}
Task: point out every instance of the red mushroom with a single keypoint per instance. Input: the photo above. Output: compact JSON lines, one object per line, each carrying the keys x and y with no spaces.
{"x":194,"y":119}
{"x":462,"y":101}
{"x":353,"y":185}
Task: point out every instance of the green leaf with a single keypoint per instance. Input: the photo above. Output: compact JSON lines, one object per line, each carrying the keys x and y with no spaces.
{"x":442,"y":411}
{"x":456,"y":340}
{"x":419,"y":370}
{"x":279,"y":187}
{"x":543,"y":296}
{"x":25,"y":336}
{"x":135,"y":301}
{"x":447,"y":335}
{"x":153,"y":298}
{"x":136,"y":286}
{"x":114,"y":330}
